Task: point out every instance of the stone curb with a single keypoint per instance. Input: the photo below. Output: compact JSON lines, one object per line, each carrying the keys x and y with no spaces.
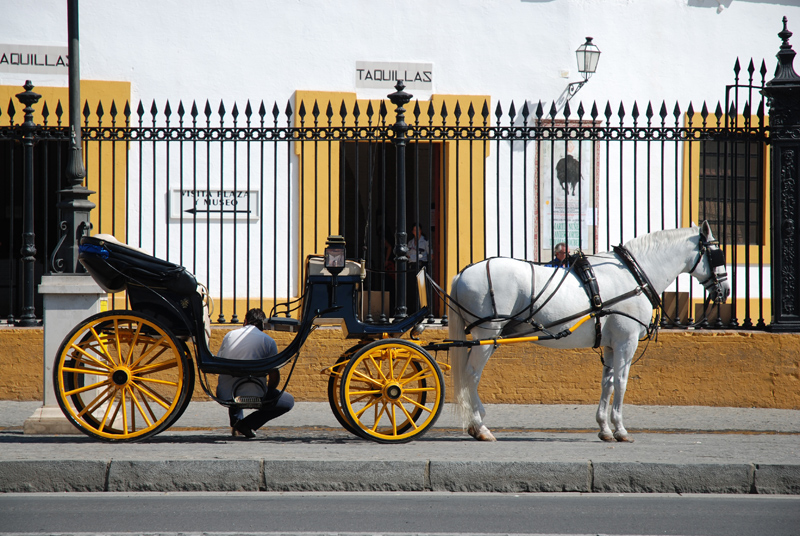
{"x":294,"y":475}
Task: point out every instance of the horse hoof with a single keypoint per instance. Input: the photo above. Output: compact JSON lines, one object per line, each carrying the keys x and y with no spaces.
{"x":606,"y":436}
{"x":481,"y":434}
{"x":623,"y":438}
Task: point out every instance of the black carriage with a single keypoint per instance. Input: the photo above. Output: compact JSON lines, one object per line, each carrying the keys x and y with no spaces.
{"x":126,"y":375}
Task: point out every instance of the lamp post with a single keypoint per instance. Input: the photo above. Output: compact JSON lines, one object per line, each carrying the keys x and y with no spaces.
{"x":74,"y":205}
{"x":587,"y":55}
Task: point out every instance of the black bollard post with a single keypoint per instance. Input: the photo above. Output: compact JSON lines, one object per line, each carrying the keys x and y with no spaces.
{"x":28,"y":251}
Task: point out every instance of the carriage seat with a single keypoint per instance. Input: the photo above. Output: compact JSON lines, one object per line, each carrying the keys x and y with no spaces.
{"x":115,"y":265}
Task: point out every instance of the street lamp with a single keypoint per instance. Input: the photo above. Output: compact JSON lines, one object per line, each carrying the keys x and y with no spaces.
{"x":587,"y":55}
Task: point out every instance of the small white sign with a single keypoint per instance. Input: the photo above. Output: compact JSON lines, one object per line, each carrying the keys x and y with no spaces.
{"x":377,"y":74}
{"x":33,"y":59}
{"x":242,"y":205}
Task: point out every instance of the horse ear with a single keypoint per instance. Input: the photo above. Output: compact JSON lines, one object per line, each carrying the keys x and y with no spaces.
{"x":705,"y":229}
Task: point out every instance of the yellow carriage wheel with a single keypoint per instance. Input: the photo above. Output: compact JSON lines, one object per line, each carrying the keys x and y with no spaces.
{"x":334,"y":393}
{"x":392,"y":391}
{"x":119,"y":376}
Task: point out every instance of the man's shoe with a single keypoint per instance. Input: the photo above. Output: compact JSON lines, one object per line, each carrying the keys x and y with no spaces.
{"x":240,"y":429}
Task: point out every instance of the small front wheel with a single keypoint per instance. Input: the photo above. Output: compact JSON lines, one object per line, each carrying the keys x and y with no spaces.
{"x":392,"y":391}
{"x":119,"y":376}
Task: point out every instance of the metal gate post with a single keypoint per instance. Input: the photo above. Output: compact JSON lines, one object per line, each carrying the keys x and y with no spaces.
{"x":399,"y":98}
{"x":28,"y":251}
{"x":783,"y":97}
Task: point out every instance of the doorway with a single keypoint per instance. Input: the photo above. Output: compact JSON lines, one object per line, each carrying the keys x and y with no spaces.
{"x":368,"y":214}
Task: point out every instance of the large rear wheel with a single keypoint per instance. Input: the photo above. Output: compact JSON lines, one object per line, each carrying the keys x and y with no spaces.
{"x":119,"y":376}
{"x":392,"y":391}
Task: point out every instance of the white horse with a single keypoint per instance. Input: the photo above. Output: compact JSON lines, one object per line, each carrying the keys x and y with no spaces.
{"x":503,"y":297}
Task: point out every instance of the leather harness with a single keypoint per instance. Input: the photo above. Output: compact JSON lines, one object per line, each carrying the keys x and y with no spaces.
{"x":579,"y":263}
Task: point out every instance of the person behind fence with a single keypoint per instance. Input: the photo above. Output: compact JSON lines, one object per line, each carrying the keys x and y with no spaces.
{"x":561,"y":260}
{"x":250,"y":342}
{"x":417,"y":248}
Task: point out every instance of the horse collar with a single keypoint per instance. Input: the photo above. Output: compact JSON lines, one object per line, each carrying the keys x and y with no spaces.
{"x":639,"y":275}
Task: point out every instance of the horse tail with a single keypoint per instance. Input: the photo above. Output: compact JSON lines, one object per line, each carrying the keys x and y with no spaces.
{"x":458,"y":359}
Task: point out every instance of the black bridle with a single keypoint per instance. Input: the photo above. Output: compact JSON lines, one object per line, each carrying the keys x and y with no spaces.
{"x":716,"y":259}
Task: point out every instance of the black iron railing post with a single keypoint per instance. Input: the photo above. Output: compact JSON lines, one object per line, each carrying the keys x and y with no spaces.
{"x":74,"y":205}
{"x":28,"y":251}
{"x":783,"y":97}
{"x":399,"y":98}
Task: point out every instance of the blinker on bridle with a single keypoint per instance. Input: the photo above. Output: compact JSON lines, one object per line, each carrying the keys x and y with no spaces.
{"x":716,"y":259}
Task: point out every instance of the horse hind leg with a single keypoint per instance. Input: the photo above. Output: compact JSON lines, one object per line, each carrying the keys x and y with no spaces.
{"x":478,"y":357}
{"x":467,"y":369}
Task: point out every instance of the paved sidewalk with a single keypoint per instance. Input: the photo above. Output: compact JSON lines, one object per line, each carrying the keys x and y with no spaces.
{"x":539,"y":448}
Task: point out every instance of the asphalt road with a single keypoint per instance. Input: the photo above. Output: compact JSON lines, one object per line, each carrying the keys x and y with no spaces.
{"x":400,"y":513}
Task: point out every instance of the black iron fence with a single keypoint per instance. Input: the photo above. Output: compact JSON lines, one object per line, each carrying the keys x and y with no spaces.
{"x":241,"y":196}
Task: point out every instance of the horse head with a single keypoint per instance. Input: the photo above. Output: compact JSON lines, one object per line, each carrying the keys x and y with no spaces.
{"x":709,"y":268}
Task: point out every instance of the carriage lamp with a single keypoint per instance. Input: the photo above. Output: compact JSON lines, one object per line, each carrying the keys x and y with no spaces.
{"x":335,"y":252}
{"x":587,"y":55}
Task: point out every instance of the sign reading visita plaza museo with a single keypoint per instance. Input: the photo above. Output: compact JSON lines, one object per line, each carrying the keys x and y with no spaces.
{"x":381,"y":74}
{"x":193,"y":205}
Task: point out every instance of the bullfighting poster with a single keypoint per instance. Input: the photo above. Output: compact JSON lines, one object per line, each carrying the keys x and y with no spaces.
{"x":567,"y":170}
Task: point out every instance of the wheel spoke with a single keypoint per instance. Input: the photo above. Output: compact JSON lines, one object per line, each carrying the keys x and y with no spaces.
{"x":408,"y":415}
{"x":423,"y":374}
{"x":132,"y":344}
{"x":146,"y":402}
{"x":377,"y":367}
{"x":158,"y":398}
{"x":418,"y":389}
{"x":378,"y":417}
{"x":124,"y":406}
{"x":98,"y":401}
{"x":155,"y":367}
{"x":90,"y":357}
{"x":85,"y":370}
{"x":363,"y":377}
{"x":364,"y":393}
{"x":87,"y":388}
{"x":417,"y":404}
{"x":103,"y":346}
{"x":369,"y":404}
{"x":139,"y":407}
{"x":146,"y":351}
{"x":405,"y":367}
{"x":105,"y":415}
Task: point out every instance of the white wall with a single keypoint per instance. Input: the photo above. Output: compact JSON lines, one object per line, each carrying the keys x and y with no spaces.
{"x":206,"y":49}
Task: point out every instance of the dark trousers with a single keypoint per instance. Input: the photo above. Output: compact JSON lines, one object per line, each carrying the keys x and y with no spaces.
{"x":260,"y":417}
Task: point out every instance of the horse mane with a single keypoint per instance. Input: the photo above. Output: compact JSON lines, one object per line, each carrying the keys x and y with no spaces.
{"x":650,"y":243}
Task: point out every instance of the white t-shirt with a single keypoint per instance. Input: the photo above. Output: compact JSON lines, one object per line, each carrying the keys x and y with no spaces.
{"x":413,"y":247}
{"x":245,"y":343}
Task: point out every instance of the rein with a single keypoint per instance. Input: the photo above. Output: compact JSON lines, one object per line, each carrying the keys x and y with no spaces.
{"x":599,"y":307}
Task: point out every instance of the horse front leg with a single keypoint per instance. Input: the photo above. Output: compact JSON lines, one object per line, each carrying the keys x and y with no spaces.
{"x":623,"y":356}
{"x":607,"y":389}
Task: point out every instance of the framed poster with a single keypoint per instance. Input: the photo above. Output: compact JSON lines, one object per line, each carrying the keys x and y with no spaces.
{"x":567,"y":175}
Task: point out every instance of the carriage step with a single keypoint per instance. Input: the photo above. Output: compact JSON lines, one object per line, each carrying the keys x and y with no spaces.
{"x":282,"y":324}
{"x":248,"y":402}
